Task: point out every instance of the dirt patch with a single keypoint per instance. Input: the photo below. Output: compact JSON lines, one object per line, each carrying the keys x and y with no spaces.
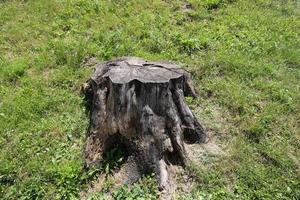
{"x":196,"y":151}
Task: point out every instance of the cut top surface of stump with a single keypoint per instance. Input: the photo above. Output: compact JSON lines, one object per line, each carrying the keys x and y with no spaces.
{"x":128,"y":69}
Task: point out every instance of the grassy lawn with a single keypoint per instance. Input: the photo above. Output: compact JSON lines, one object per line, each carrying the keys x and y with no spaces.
{"x":245,"y":60}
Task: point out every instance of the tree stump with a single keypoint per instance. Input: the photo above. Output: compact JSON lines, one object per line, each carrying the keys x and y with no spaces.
{"x":140,"y":106}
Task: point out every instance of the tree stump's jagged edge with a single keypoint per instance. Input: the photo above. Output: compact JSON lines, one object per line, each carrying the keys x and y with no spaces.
{"x":141,"y":105}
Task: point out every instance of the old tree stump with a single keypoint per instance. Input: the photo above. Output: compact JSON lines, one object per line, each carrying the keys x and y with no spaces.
{"x":140,"y":106}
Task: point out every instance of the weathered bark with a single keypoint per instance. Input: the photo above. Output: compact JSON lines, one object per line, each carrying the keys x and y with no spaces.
{"x":141,"y":104}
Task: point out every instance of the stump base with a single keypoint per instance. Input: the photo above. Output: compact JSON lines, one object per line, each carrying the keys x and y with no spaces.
{"x":141,"y":106}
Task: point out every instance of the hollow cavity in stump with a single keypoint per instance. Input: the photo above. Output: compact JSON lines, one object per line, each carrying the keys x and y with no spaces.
{"x":140,"y":106}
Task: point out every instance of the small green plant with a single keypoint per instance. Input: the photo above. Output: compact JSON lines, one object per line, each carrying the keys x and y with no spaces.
{"x":189,"y":45}
{"x":145,"y":189}
{"x":11,"y":71}
{"x":112,"y":160}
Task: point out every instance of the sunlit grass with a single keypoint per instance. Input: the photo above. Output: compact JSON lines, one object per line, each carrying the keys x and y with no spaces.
{"x":244,"y":57}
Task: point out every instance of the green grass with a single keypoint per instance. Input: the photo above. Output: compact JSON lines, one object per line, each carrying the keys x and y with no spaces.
{"x":244,"y":57}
